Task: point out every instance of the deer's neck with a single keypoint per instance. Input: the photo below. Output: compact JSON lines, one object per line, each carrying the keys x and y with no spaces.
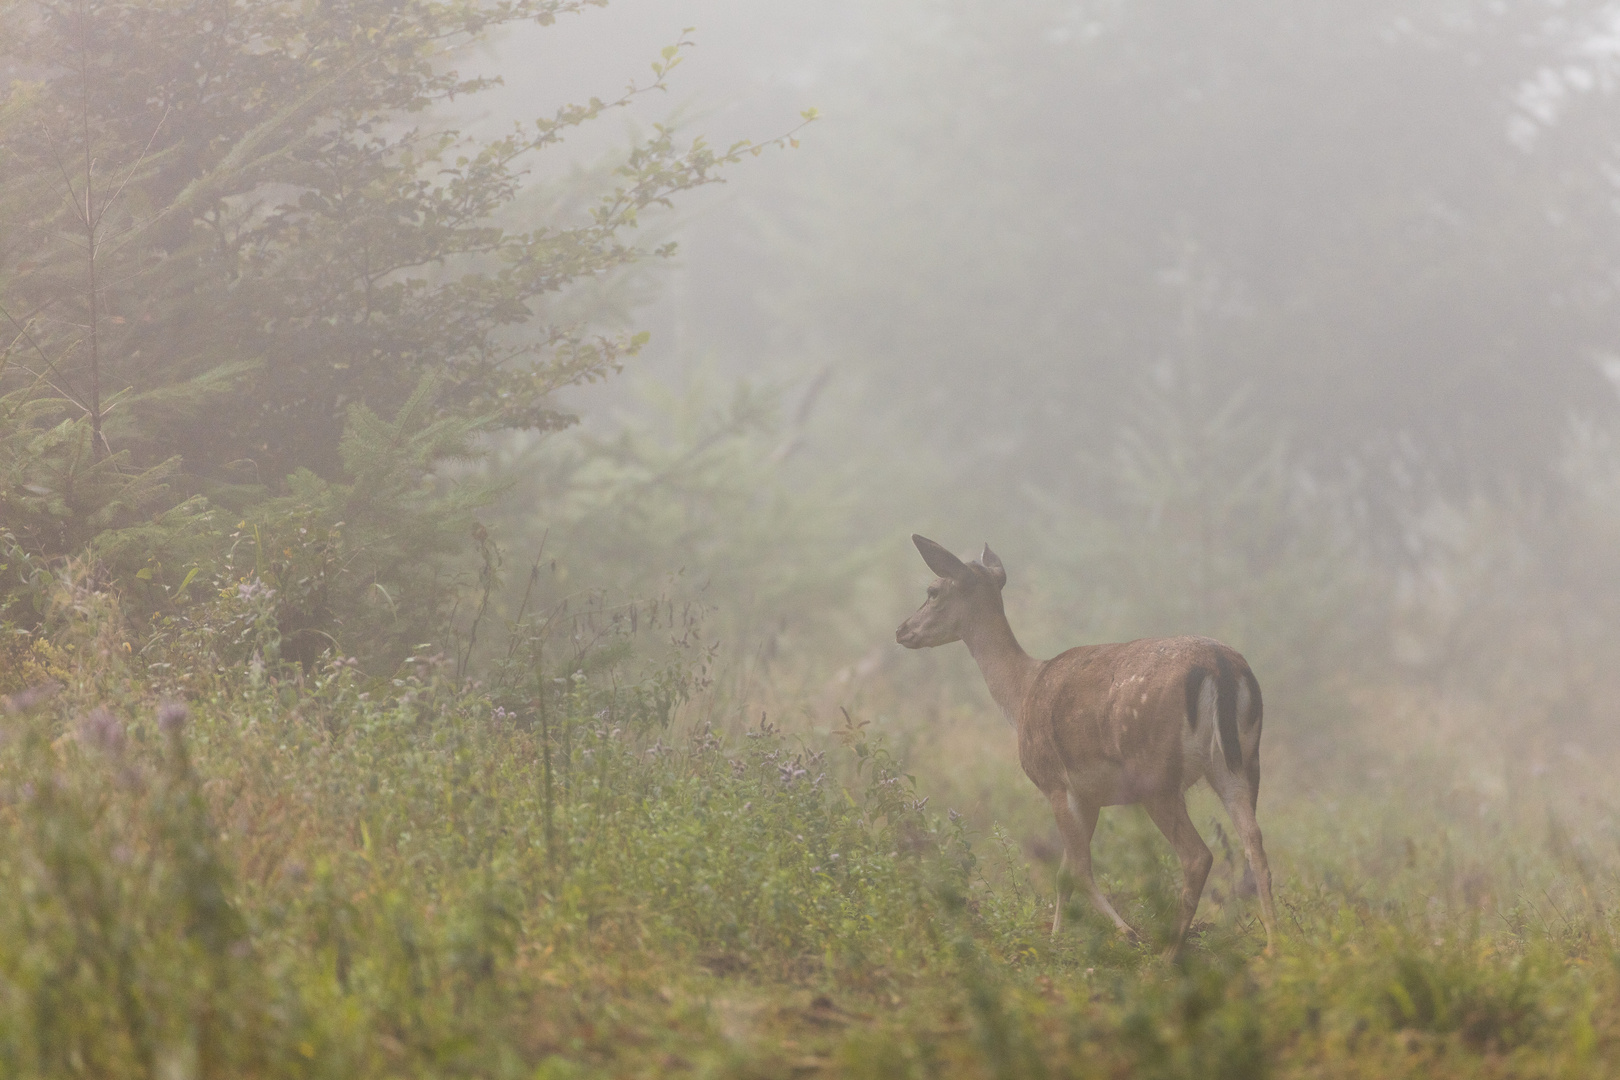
{"x":1008,"y":670}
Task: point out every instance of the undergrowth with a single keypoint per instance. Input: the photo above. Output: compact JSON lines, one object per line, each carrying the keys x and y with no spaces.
{"x":263,"y":870}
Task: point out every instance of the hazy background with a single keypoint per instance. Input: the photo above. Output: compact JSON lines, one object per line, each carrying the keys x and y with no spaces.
{"x":1289,"y":323}
{"x":526,"y":520}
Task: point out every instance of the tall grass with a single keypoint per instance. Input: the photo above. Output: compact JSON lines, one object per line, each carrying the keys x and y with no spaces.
{"x":571,"y":873}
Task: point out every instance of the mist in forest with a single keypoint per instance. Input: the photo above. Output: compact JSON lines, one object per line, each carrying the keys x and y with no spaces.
{"x":463,"y":464}
{"x":1294,"y":325}
{"x":1289,"y":324}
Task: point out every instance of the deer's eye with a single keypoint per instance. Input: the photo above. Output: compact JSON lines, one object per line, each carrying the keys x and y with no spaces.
{"x":933,"y":591}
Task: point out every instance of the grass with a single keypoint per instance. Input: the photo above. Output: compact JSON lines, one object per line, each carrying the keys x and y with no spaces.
{"x":331,"y":875}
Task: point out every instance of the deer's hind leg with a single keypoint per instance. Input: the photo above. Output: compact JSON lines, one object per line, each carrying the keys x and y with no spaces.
{"x":1169,"y":812}
{"x":1241,"y":793}
{"x":1076,"y":821}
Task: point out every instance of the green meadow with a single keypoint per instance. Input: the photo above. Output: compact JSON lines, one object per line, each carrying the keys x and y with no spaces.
{"x":456,"y":460}
{"x":594,"y":868}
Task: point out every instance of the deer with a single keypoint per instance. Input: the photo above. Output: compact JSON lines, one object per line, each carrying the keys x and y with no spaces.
{"x":1136,"y":722}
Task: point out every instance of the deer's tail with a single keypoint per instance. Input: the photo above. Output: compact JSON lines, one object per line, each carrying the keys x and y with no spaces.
{"x":1233,"y":693}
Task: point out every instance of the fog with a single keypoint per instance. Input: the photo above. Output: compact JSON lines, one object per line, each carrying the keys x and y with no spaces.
{"x":1292,"y":324}
{"x":464,"y":467}
{"x":1288,"y":323}
{"x":1391,"y":226}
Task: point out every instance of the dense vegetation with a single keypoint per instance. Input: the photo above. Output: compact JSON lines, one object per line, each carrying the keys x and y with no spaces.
{"x":574,"y":870}
{"x":361,"y":716}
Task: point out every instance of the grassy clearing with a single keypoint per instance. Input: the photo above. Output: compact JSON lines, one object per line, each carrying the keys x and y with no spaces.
{"x":335,"y":876}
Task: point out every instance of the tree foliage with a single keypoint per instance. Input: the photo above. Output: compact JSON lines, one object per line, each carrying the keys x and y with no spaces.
{"x":705,"y":489}
{"x":234,"y":234}
{"x":1392,"y":222}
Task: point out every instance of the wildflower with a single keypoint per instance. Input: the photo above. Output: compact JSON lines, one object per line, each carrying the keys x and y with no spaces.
{"x":28,"y":699}
{"x":102,"y":730}
{"x":254,"y":589}
{"x":172,"y":716}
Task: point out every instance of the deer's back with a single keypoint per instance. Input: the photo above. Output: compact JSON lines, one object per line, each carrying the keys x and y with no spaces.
{"x":1113,"y":720}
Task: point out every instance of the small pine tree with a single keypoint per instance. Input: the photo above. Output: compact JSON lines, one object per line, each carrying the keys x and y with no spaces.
{"x":229,"y":245}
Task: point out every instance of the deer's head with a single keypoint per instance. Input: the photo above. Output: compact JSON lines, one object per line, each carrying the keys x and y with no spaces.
{"x":963,"y":593}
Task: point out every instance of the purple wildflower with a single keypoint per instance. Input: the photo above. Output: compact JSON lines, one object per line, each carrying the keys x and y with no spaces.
{"x":102,"y":730}
{"x":172,"y":716}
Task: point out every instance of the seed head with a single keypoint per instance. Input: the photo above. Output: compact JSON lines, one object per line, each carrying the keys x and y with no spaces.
{"x":102,"y":730}
{"x":172,"y":716}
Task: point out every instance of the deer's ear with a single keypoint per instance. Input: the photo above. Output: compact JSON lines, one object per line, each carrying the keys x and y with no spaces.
{"x":992,"y":563}
{"x":939,"y":560}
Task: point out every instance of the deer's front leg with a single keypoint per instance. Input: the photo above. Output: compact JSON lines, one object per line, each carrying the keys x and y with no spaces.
{"x":1076,"y":821}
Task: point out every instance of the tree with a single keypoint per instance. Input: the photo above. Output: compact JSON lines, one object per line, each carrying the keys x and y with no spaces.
{"x":1391,"y":221}
{"x":228,"y":224}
